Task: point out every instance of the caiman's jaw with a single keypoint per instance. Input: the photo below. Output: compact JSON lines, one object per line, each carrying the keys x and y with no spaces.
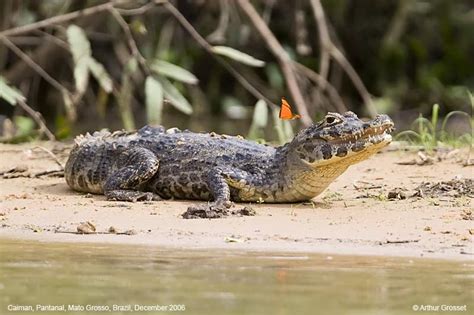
{"x":343,"y":138}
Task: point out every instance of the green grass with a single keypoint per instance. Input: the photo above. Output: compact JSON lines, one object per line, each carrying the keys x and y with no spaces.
{"x":425,"y":132}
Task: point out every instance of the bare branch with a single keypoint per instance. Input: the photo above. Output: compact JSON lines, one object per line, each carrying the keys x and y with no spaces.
{"x":79,"y":13}
{"x":37,"y":118}
{"x":218,"y":35}
{"x":36,"y":67}
{"x":282,"y":56}
{"x":204,"y":44}
{"x":324,"y":85}
{"x":52,"y":155}
{"x":61,"y":43}
{"x":356,"y":80}
{"x":324,"y":39}
{"x":267,"y":11}
{"x":138,"y":11}
{"x":328,"y":48}
{"x":398,"y":23}
{"x":131,"y":41}
{"x":59,"y":19}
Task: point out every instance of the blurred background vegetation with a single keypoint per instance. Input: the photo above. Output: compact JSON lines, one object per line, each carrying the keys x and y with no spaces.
{"x":82,"y":65}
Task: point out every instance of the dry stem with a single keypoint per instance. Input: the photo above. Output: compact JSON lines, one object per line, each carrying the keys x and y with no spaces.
{"x":131,"y":41}
{"x":282,"y":56}
{"x":60,"y":18}
{"x":204,"y":44}
{"x":36,"y":67}
{"x":324,"y":85}
{"x":329,"y":49}
{"x":37,"y":118}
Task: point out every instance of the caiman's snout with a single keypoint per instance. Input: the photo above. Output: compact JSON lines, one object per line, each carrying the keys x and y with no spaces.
{"x":342,"y":138}
{"x":379,"y":125}
{"x":383,"y":121}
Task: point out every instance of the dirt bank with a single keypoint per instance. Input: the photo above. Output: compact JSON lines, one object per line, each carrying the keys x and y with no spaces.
{"x":354,"y":216}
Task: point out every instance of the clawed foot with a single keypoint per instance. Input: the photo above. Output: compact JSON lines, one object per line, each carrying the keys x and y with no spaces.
{"x":131,"y":196}
{"x":215,"y":211}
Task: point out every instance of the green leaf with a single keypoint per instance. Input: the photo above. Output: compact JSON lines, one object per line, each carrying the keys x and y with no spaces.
{"x":471,"y":97}
{"x":25,"y":126}
{"x":173,"y":71}
{"x":288,"y":130}
{"x":69,"y":105}
{"x":175,"y":97}
{"x":274,"y":75}
{"x":80,"y":46}
{"x":9,"y":93}
{"x":137,"y":26}
{"x":132,"y":65}
{"x":233,"y":108}
{"x":81,"y":76}
{"x":100,"y":74}
{"x":154,"y":100}
{"x":259,"y":120}
{"x":260,"y":114}
{"x":125,"y":98}
{"x":81,"y":53}
{"x":238,"y":56}
{"x":282,"y":127}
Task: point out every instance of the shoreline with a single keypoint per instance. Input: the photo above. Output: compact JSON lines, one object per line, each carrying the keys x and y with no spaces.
{"x":352,"y":217}
{"x":389,"y":251}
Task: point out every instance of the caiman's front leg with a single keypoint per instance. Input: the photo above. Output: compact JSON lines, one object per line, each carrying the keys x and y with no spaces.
{"x":136,"y":166}
{"x":218,"y":182}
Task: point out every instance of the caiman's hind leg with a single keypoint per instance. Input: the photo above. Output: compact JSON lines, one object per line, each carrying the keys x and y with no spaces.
{"x":218,"y":181}
{"x":136,"y":166}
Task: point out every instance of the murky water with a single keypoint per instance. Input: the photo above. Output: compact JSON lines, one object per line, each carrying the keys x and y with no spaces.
{"x":216,"y":282}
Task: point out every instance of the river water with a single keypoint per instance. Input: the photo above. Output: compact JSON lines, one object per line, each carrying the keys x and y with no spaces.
{"x":55,"y":278}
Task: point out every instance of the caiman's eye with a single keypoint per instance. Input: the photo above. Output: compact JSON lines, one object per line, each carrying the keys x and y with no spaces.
{"x":331,"y":119}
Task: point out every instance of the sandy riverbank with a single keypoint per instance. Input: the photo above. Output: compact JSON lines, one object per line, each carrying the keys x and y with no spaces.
{"x":352,"y":217}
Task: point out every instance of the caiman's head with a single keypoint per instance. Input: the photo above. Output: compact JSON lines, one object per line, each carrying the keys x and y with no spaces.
{"x":341,"y":139}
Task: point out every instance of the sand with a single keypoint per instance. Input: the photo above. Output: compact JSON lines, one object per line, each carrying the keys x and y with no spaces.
{"x":353,"y":216}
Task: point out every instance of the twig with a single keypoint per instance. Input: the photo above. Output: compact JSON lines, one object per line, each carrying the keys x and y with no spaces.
{"x":61,"y":18}
{"x":329,"y":48}
{"x":324,"y":39}
{"x":37,"y":118}
{"x":218,"y":35}
{"x":36,"y":67}
{"x":131,"y":41}
{"x":61,"y":43}
{"x":60,"y":173}
{"x":356,"y":80}
{"x":102,"y":233}
{"x":398,"y":23}
{"x":282,"y":56}
{"x":204,"y":44}
{"x":367,"y":185}
{"x":16,"y":169}
{"x":267,"y":11}
{"x":302,"y":45}
{"x":11,"y":175}
{"x":52,"y":155}
{"x":401,"y":241}
{"x":27,"y":40}
{"x":138,"y":11}
{"x":324,"y":85}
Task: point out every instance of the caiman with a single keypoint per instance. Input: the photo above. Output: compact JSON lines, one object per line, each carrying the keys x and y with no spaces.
{"x":153,"y":163}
